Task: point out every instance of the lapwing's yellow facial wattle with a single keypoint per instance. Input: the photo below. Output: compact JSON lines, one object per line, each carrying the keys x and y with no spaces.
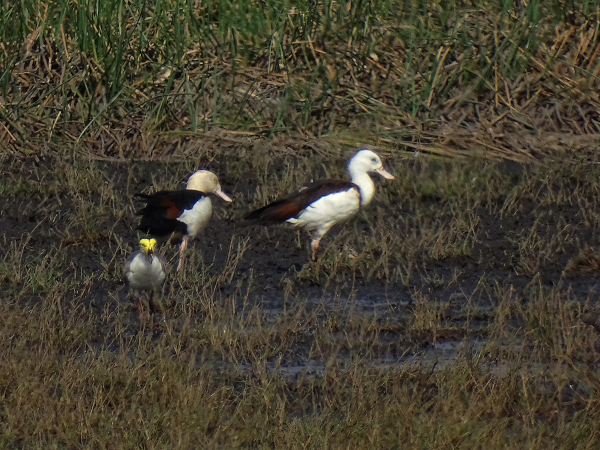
{"x":148,"y":245}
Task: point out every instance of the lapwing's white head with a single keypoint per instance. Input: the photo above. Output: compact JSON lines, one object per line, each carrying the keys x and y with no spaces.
{"x":148,"y":245}
{"x":206,"y":181}
{"x":366,"y":160}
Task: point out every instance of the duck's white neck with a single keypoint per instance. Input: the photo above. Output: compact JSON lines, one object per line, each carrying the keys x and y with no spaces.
{"x":365,"y":184}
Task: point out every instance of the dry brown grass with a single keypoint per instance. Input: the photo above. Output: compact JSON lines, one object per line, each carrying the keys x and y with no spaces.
{"x":457,"y":325}
{"x":510,"y":84}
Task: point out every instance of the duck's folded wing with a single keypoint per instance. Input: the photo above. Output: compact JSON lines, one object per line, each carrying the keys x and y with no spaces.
{"x":169,"y":204}
{"x":292,"y":205}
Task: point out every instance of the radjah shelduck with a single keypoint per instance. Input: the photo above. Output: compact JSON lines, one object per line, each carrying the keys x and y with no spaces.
{"x":179,"y":216}
{"x":145,"y":271}
{"x":322,"y":204}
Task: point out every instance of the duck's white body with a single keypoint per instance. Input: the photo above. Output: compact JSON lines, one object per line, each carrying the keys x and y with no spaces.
{"x":197,"y":217}
{"x":180,"y":216}
{"x":318,"y":217}
{"x":321,"y":205}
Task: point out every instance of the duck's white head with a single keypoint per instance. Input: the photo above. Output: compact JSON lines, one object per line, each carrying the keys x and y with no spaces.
{"x":206,"y":181}
{"x":365,"y":161}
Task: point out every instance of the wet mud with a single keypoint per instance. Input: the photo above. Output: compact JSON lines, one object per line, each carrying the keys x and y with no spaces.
{"x":274,"y":276}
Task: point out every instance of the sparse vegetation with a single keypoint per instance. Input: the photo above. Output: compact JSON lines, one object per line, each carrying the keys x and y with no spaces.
{"x":451,"y":326}
{"x":445,"y":315}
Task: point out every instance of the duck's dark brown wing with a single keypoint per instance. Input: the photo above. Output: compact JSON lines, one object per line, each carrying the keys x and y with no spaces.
{"x":159,"y":216}
{"x":292,"y":205}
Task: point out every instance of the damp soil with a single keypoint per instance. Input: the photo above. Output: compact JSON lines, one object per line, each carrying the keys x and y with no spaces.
{"x":274,"y":274}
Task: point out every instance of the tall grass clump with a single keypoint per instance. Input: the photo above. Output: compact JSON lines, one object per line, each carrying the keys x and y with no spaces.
{"x":121,"y":73}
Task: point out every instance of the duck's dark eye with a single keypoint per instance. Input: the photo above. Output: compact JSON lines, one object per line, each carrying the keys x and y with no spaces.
{"x":374,"y":160}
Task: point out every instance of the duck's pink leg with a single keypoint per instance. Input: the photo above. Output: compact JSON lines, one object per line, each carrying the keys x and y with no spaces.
{"x":314,"y":244}
{"x":182,"y":247}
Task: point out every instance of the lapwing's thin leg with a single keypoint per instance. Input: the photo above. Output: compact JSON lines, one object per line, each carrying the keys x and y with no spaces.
{"x":138,"y":303}
{"x":151,"y":304}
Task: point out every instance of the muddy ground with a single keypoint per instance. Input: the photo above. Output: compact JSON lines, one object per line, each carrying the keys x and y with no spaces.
{"x":439,"y":308}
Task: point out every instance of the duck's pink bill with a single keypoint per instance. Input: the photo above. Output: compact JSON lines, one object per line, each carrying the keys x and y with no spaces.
{"x":222,"y":194}
{"x":384,"y":173}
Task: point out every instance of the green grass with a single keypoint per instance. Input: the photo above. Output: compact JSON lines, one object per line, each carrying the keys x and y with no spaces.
{"x":452,"y":78}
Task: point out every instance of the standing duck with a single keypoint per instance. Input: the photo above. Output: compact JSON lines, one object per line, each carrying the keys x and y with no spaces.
{"x":144,"y":271}
{"x":179,"y":216}
{"x":322,"y":204}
